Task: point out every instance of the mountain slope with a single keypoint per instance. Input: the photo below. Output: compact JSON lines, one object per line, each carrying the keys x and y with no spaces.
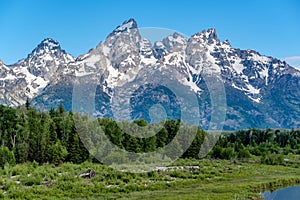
{"x":29,"y":77}
{"x":261,"y":91}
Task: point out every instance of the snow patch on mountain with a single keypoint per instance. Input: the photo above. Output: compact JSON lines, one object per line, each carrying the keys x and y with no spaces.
{"x":125,"y":57}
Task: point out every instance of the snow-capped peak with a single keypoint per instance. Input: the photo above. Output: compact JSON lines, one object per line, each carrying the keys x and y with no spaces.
{"x":209,"y":36}
{"x":47,"y":50}
{"x":50,"y":43}
{"x":124,"y":34}
{"x":212,"y":33}
{"x":126,"y":25}
{"x":175,"y":40}
{"x":46,"y":46}
{"x":250,"y":79}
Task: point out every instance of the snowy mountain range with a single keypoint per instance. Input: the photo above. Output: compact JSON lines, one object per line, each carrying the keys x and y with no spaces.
{"x":261,"y":91}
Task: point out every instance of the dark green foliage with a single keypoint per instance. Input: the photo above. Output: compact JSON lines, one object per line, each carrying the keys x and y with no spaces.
{"x":270,"y":144}
{"x":194,"y":148}
{"x":149,"y":144}
{"x":244,"y":153}
{"x":27,"y":104}
{"x":29,"y":135}
{"x":172,"y":128}
{"x":272,"y":159}
{"x":57,"y":153}
{"x":140,"y":122}
{"x":216,"y":152}
{"x":114,"y":133}
{"x":227,"y":153}
{"x":6,"y":156}
{"x":61,"y":109}
{"x":161,"y":138}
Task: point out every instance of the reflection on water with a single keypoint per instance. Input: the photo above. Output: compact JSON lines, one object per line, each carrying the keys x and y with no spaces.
{"x":289,"y":193}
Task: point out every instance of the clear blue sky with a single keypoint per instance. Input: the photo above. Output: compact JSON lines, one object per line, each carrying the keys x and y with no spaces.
{"x":270,"y":27}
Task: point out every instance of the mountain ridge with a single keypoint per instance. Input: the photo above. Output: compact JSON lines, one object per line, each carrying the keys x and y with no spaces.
{"x":48,"y":72}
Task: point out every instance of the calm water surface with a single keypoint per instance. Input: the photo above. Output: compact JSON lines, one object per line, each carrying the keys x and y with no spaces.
{"x":289,"y":193}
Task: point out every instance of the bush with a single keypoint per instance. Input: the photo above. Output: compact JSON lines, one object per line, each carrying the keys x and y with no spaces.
{"x":35,"y":164}
{"x":132,"y":187}
{"x":6,"y":156}
{"x":216,"y":152}
{"x":255,"y":151}
{"x":30,"y":181}
{"x":272,"y":159}
{"x":227,"y":153}
{"x":244,"y":153}
{"x":177,"y":174}
{"x":152,"y":174}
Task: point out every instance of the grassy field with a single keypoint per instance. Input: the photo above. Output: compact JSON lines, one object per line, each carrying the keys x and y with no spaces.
{"x":211,"y":179}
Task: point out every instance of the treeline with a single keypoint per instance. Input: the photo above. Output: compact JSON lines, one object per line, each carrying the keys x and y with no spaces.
{"x":271,"y":145}
{"x":166,"y":132}
{"x":28,"y":135}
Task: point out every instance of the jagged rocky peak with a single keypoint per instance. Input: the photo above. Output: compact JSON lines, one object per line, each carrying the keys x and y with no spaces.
{"x":209,"y":36}
{"x":3,"y":69}
{"x":122,"y":46}
{"x":45,"y":59}
{"x":146,"y":48}
{"x":212,"y":33}
{"x":48,"y":50}
{"x":49,"y":42}
{"x":175,"y":40}
{"x":48,"y":45}
{"x":126,"y":25}
{"x":226,"y":42}
{"x":250,"y":79}
{"x":125,"y":33}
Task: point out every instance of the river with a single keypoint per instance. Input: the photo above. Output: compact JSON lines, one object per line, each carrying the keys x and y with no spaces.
{"x":289,"y":193}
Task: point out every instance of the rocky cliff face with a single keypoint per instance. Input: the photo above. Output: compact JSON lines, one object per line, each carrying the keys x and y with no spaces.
{"x":261,"y":91}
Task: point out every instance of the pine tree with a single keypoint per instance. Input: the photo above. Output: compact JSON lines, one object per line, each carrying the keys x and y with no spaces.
{"x":77,"y":152}
{"x":149,"y":144}
{"x":61,"y":109}
{"x":194,"y":148}
{"x":57,"y":153}
{"x":161,"y":138}
{"x":22,"y":138}
{"x":114,"y":133}
{"x":27,"y":104}
{"x":53,"y":134}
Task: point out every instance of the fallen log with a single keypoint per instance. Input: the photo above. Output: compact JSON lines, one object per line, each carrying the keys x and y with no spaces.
{"x":88,"y":174}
